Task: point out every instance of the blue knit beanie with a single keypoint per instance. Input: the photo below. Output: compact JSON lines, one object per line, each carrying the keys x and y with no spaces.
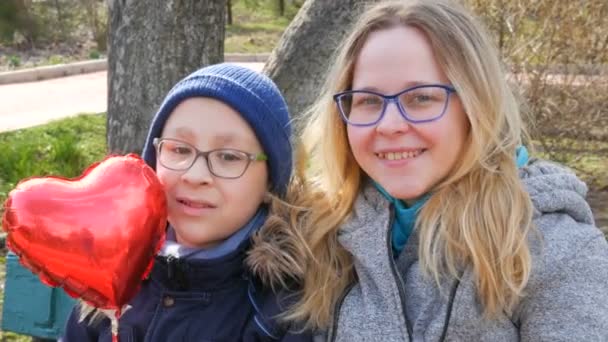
{"x":253,"y":95}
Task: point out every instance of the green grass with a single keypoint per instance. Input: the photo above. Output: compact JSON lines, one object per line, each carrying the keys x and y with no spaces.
{"x":248,"y":38}
{"x":255,"y":30}
{"x":7,"y":336}
{"x":62,"y":148}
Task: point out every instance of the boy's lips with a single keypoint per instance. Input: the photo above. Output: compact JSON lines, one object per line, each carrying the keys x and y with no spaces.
{"x":195,"y":203}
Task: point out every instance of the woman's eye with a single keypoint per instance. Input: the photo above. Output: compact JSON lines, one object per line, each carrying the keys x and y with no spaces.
{"x":423,"y":98}
{"x":368,"y":100}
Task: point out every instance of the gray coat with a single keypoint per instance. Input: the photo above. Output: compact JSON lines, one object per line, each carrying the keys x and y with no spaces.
{"x":566,"y":298}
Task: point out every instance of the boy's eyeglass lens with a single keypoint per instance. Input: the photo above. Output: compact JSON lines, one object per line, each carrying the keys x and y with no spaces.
{"x":223,"y":163}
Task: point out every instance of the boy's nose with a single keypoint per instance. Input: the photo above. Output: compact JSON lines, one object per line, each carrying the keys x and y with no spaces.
{"x":199,"y":172}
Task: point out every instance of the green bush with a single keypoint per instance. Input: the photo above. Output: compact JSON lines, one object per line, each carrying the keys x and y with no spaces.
{"x":15,"y":20}
{"x":94,"y":54}
{"x":56,"y":59}
{"x":14,"y":61}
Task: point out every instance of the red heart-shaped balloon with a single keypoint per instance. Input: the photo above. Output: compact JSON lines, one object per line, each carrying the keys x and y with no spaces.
{"x":96,"y":235}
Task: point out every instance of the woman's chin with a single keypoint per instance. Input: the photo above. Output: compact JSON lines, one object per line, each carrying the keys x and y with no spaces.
{"x":405,"y":192}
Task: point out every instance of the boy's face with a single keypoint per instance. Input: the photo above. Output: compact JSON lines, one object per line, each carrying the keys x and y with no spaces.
{"x":205,"y":209}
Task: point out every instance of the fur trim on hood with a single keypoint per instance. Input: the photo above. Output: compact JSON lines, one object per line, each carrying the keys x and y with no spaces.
{"x":279,"y":253}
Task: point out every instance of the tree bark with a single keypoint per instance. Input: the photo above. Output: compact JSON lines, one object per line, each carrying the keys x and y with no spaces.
{"x":300,"y":61}
{"x":153,"y":44}
{"x":229,"y":11}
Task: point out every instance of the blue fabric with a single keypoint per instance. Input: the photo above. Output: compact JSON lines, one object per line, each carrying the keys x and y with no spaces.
{"x":171,"y":247}
{"x":253,"y":95}
{"x":405,"y":217}
{"x":521,"y":156}
{"x":196,"y":300}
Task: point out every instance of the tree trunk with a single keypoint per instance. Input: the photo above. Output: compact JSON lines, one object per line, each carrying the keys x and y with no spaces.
{"x":281,"y":7}
{"x":153,"y":44}
{"x":300,"y":61}
{"x":229,"y":11}
{"x":59,"y":18}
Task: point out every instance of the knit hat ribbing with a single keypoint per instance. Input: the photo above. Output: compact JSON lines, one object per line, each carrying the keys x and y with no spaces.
{"x":253,"y":95}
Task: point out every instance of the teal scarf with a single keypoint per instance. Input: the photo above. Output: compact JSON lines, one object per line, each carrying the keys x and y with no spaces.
{"x":405,"y":217}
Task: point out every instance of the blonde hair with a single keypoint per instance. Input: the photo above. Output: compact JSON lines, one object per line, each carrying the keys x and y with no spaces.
{"x":479,"y":215}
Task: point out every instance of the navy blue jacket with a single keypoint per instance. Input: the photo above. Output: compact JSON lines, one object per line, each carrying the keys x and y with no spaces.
{"x":195,"y":300}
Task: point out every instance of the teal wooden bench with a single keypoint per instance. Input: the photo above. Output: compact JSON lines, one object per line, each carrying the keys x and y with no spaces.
{"x":30,"y":307}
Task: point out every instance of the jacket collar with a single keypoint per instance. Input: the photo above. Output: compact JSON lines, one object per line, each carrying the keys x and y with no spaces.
{"x":201,"y":274}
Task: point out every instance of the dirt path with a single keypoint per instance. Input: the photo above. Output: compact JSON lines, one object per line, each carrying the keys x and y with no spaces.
{"x":30,"y":104}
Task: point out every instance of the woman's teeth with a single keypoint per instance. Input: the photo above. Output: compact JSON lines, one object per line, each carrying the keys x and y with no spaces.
{"x":399,"y":155}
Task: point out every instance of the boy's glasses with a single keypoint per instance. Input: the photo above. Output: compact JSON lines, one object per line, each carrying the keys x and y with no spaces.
{"x":422,"y":103}
{"x":224,"y":163}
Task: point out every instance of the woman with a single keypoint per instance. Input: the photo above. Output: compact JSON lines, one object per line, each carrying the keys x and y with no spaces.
{"x":430,"y":222}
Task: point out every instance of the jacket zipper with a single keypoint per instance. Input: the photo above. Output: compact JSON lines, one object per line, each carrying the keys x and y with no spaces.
{"x":398,"y":279}
{"x":400,"y":286}
{"x":448,"y":313}
{"x":171,"y":265}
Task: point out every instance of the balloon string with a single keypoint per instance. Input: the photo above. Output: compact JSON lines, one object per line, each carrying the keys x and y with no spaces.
{"x":114,"y":321}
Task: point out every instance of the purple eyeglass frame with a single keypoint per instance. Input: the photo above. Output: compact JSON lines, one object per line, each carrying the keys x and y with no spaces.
{"x":394,"y":99}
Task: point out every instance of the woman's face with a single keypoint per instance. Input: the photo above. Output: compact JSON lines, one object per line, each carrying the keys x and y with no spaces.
{"x":407,"y":159}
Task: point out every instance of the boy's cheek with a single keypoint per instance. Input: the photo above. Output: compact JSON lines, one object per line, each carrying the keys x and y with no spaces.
{"x":164,"y":178}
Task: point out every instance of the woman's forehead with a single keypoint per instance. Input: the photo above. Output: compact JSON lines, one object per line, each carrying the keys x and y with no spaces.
{"x":394,"y":59}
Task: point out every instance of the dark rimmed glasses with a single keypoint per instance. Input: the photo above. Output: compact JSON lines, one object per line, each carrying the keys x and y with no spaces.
{"x":224,"y":163}
{"x":422,"y":103}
